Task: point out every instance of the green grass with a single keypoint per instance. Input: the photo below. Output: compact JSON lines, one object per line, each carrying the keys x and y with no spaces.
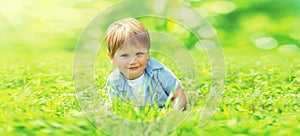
{"x":262,"y":96}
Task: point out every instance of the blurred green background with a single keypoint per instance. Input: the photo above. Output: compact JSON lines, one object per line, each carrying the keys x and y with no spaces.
{"x":31,"y":25}
{"x":260,"y":38}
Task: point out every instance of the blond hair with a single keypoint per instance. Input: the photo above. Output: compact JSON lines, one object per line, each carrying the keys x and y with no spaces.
{"x":121,"y":31}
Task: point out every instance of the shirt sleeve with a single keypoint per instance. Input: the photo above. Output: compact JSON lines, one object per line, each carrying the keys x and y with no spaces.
{"x":111,"y":92}
{"x":168,"y":80}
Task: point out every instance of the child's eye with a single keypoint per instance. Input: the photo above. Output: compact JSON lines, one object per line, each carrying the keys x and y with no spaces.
{"x":139,"y":54}
{"x":124,"y":55}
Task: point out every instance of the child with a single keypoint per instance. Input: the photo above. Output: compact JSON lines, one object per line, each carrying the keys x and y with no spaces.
{"x":138,"y":78}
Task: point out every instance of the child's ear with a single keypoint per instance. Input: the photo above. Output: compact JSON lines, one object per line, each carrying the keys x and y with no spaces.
{"x":148,"y":56}
{"x":112,"y":61}
{"x":110,"y":58}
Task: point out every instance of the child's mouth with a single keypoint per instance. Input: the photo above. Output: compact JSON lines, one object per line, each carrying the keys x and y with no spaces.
{"x":134,"y":68}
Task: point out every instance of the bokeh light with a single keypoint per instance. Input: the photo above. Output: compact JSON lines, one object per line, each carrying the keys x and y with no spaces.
{"x":266,"y":43}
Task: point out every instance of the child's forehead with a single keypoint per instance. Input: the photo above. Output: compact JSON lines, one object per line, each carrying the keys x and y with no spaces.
{"x":132,"y":48}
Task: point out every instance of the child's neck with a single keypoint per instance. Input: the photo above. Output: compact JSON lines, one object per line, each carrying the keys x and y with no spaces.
{"x":138,"y":78}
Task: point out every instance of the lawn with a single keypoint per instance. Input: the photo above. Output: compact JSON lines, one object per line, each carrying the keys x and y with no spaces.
{"x":261,"y":96}
{"x":260,"y":40}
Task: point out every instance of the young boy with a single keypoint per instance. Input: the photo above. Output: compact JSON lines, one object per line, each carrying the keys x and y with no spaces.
{"x":138,"y":78}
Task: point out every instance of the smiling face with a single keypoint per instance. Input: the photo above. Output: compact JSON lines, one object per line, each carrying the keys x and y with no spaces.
{"x":131,"y":60}
{"x":128,"y":43}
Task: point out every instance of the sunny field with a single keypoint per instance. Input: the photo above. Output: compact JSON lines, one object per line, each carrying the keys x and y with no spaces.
{"x":261,"y":97}
{"x":260,"y":40}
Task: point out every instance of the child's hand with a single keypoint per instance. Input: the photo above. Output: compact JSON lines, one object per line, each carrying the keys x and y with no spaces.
{"x":179,"y":99}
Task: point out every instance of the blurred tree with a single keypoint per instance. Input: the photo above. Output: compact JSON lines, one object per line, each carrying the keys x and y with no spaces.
{"x":57,"y":24}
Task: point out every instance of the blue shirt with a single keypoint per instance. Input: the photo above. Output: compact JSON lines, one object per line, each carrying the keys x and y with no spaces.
{"x":160,"y":83}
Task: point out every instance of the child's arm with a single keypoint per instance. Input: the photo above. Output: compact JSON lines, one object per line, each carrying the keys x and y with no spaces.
{"x":112,"y":93}
{"x":170,"y":82}
{"x":179,"y":99}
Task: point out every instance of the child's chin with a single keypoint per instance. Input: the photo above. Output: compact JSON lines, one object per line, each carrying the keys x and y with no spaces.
{"x":134,"y":75}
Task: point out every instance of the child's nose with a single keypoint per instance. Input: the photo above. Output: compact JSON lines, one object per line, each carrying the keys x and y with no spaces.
{"x":133,"y":60}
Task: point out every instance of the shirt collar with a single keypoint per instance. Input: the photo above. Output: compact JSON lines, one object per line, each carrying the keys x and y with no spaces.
{"x":152,"y":65}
